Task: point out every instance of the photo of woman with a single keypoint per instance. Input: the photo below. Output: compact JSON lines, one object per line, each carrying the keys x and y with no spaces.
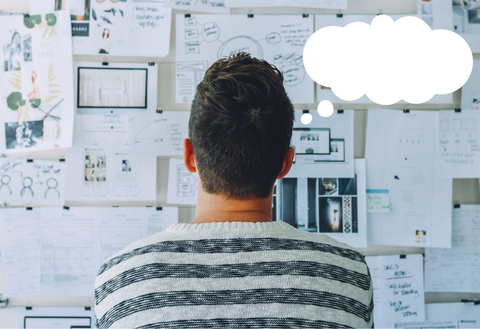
{"x":13,"y":53}
{"x":105,"y":44}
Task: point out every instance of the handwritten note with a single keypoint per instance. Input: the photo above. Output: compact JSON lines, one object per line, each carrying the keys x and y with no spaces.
{"x":458,"y":146}
{"x":378,"y":201}
{"x":398,"y":286}
{"x":206,"y":6}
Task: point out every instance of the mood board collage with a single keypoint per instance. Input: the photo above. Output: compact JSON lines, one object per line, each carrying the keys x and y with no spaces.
{"x":104,"y":113}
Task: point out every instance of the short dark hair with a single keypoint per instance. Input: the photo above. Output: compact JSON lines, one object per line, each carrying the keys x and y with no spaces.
{"x":240,"y":127}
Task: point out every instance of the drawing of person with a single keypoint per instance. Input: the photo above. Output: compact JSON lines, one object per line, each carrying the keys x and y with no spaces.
{"x":105,"y":44}
{"x":15,"y":53}
{"x":35,"y":93}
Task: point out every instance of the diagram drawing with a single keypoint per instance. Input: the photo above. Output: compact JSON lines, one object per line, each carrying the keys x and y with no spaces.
{"x":155,"y":131}
{"x":71,"y":258}
{"x":66,"y":235}
{"x":187,"y":185}
{"x":120,"y":235}
{"x":207,"y":38}
{"x":52,"y":185}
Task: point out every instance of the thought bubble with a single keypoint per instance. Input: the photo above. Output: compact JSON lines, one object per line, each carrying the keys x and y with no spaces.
{"x":388,"y":61}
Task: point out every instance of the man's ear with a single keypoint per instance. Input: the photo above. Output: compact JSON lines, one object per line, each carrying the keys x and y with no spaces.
{"x":188,"y":156}
{"x":287,"y":163}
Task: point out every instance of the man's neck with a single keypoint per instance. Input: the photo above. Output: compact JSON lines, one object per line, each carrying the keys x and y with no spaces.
{"x":216,"y":208}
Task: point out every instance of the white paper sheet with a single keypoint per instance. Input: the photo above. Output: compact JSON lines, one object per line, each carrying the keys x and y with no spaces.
{"x":437,"y":13}
{"x":75,"y":7}
{"x":54,"y":317}
{"x":398,"y":289}
{"x":401,"y":157}
{"x":279,"y":39}
{"x":182,"y":184}
{"x":378,"y":201}
{"x":471,"y":89}
{"x":327,"y":4}
{"x":448,"y":316}
{"x":325,"y":93}
{"x":339,"y":162}
{"x":36,"y":83}
{"x":95,"y":171}
{"x":159,"y":134}
{"x":466,"y":22}
{"x":32,"y":181}
{"x":52,"y":251}
{"x":206,"y":6}
{"x":332,"y":206}
{"x":458,"y":268}
{"x":20,"y":245}
{"x":458,"y":148}
{"x":123,"y":28}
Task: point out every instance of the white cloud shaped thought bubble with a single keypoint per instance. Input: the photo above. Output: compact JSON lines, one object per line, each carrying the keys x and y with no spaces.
{"x":388,"y":61}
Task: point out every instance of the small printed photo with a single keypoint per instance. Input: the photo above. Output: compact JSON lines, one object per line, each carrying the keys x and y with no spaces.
{"x":101,"y":174}
{"x":421,"y":236}
{"x":89,"y":161}
{"x":89,"y":174}
{"x":23,"y":134}
{"x":101,"y":161}
{"x":27,"y":48}
{"x":12,"y":53}
{"x":474,"y":15}
{"x":35,"y":82}
{"x":347,"y":186}
{"x":327,"y":186}
{"x":330,"y":214}
{"x":126,"y":165}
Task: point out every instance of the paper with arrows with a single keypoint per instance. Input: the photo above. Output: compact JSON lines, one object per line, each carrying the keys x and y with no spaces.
{"x":32,"y":181}
{"x":182,"y":184}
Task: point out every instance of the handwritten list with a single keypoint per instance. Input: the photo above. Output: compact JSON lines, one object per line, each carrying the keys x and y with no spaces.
{"x":398,"y":288}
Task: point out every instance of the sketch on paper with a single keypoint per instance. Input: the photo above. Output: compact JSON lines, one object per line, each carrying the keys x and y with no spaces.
{"x":207,"y":6}
{"x":100,"y":87}
{"x":159,"y":134}
{"x":54,"y":317}
{"x":37,"y":110}
{"x":38,"y":181}
{"x":182,"y":184}
{"x":202,"y":39}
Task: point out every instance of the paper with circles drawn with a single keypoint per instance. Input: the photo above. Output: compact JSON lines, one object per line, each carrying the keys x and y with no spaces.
{"x":279,"y":39}
{"x":39,"y":182}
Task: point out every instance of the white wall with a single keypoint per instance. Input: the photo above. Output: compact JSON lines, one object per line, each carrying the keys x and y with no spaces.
{"x":465,"y":191}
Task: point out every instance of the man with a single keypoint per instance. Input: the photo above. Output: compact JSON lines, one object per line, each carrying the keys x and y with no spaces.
{"x":232,"y":267}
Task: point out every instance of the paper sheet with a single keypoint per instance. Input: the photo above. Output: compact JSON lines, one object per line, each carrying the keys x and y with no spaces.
{"x":159,"y":134}
{"x":279,"y":39}
{"x":206,"y":6}
{"x":20,"y":245}
{"x":122,"y":28}
{"x":378,"y":201}
{"x":471,"y":89}
{"x":182,"y":184}
{"x":32,"y":181}
{"x":458,"y":268}
{"x":458,"y":147}
{"x":466,"y":21}
{"x":323,"y":147}
{"x":332,"y":206}
{"x":36,"y":83}
{"x":437,"y":13}
{"x":100,"y":166}
{"x":448,"y":316}
{"x":400,"y":156}
{"x":327,"y":4}
{"x":325,"y":93}
{"x":398,"y":289}
{"x":57,"y":252}
{"x":54,"y":317}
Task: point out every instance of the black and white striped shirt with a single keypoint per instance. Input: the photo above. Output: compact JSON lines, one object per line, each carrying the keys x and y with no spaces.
{"x":235,"y":275}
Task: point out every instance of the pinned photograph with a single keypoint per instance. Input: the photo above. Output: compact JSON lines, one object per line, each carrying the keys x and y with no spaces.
{"x":126,"y":165}
{"x":12,"y":53}
{"x":101,"y":168}
{"x":35,"y":84}
{"x":23,"y":134}
{"x":331,"y":214}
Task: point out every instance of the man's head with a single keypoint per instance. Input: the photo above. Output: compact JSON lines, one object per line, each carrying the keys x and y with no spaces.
{"x":240,"y":127}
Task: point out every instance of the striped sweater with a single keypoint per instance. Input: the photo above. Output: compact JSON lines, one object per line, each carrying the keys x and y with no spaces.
{"x":234,"y":275}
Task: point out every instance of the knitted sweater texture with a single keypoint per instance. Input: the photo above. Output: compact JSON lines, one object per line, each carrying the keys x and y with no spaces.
{"x":235,"y":275}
